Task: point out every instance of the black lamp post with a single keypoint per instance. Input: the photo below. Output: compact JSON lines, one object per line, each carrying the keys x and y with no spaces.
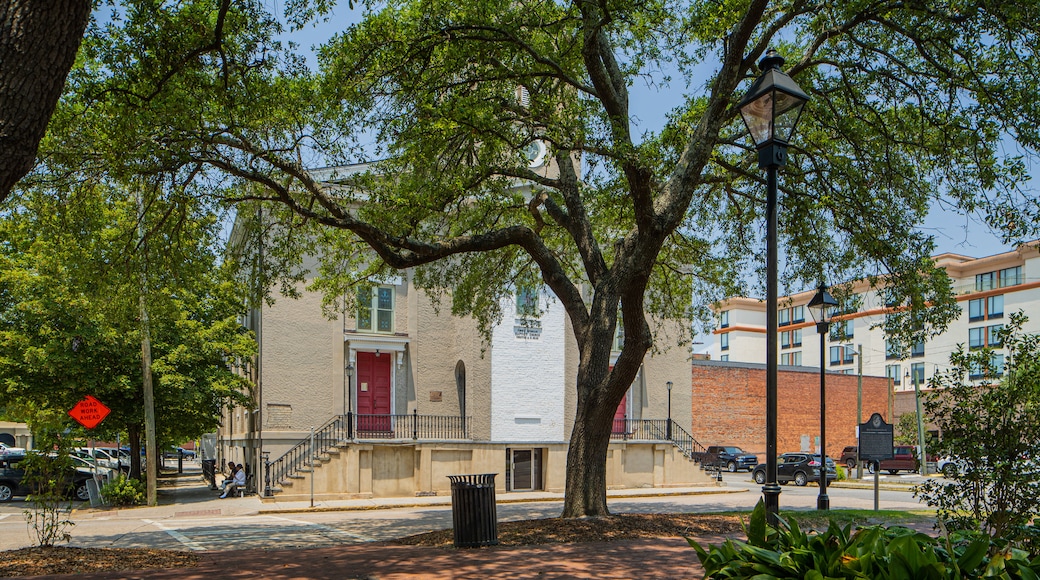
{"x":347,"y":403}
{"x":821,"y":307}
{"x":668,"y":427}
{"x":771,"y":109}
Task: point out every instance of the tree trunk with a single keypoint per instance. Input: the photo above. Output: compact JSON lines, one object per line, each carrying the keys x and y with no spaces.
{"x":133,"y":433}
{"x":38,"y":45}
{"x":587,"y":469}
{"x":598,"y":399}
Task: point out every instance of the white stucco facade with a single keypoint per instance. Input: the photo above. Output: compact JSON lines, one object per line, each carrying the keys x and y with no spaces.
{"x":528,"y":375}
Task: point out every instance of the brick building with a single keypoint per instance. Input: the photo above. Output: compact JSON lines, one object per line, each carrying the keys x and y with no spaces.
{"x":729,"y":404}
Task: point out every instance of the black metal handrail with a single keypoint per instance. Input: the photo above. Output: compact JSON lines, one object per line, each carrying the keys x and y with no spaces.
{"x":657,"y":430}
{"x":413,"y":426}
{"x":343,"y":428}
{"x":304,"y":453}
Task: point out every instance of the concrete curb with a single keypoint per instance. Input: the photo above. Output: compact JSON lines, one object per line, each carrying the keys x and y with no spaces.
{"x":445,"y":501}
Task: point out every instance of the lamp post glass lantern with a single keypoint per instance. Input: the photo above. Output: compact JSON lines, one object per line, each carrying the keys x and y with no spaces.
{"x":771,"y":110}
{"x":821,"y":306}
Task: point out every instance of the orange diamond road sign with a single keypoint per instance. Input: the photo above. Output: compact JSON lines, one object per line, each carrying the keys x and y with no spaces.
{"x":89,"y":412}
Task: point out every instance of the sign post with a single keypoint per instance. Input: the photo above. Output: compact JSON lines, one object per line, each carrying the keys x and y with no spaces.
{"x":875,"y":444}
{"x":89,"y":412}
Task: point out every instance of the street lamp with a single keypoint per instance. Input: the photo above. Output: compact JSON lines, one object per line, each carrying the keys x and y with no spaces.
{"x":821,"y":307}
{"x":771,"y":109}
{"x":668,"y":427}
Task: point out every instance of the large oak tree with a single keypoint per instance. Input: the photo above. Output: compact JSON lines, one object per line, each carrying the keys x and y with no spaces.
{"x":38,"y":45}
{"x":914,"y":105}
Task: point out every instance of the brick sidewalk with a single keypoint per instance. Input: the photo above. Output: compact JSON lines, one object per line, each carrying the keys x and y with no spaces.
{"x":664,"y":558}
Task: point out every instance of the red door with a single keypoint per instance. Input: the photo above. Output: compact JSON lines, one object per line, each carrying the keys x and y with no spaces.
{"x":620,"y":415}
{"x":373,"y":391}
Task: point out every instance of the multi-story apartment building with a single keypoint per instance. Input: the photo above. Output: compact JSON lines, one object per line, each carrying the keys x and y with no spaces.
{"x":988,"y":289}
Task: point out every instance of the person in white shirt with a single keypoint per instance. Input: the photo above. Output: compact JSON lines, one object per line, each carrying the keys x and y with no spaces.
{"x":235,"y":482}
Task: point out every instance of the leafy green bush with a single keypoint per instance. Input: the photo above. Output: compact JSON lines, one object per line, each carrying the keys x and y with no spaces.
{"x":123,"y":491}
{"x":895,"y":553}
{"x":993,"y":428}
{"x":841,"y":476}
{"x":50,"y":481}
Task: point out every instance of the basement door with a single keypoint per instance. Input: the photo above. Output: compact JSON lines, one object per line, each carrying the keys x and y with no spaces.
{"x":373,"y":392}
{"x":523,"y":469}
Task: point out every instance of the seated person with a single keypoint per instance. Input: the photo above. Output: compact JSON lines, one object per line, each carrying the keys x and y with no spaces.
{"x":238,"y":481}
{"x":230,"y":477}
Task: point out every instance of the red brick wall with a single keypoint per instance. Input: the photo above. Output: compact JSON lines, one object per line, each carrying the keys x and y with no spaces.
{"x":729,"y":406}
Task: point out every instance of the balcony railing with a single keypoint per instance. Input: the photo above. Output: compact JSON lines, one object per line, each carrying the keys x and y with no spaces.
{"x":413,"y":426}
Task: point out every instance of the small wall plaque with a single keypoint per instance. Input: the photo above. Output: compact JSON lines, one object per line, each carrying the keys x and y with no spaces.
{"x":435,"y":396}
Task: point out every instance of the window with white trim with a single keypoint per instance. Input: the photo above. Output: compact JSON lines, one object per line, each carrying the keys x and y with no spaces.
{"x":527,"y":303}
{"x":375,"y":311}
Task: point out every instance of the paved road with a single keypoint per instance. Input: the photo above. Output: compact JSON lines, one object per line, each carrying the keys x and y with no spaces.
{"x":193,"y":519}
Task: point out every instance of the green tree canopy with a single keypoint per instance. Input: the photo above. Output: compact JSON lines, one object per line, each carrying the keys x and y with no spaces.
{"x":70,"y":271}
{"x":912,"y":105}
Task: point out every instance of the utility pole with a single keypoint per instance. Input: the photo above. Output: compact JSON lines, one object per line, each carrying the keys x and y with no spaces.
{"x":151,"y":456}
{"x":920,"y":427}
{"x":859,"y":408}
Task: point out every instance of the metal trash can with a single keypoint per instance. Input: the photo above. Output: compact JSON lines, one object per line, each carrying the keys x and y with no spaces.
{"x":209,"y":472}
{"x":474,"y":515}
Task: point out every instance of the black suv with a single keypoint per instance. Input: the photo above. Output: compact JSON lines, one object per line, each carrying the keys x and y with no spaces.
{"x":729,"y":457}
{"x":12,"y":475}
{"x":801,"y":468}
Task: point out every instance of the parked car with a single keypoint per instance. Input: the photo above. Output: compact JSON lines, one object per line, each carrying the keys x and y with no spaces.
{"x":801,"y":468}
{"x":849,"y":457}
{"x":12,"y":481}
{"x":122,"y":455}
{"x":728,"y":457}
{"x":103,"y":458}
{"x":105,"y":473}
{"x":950,"y":466}
{"x":904,"y":458}
{"x":175,"y":452}
{"x":6,"y":449}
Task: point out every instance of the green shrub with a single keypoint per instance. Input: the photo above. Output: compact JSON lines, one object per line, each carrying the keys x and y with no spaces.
{"x":895,"y":553}
{"x":123,"y":491}
{"x":50,"y":481}
{"x":841,"y":473}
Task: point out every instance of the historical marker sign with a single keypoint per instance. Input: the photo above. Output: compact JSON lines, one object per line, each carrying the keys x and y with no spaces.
{"x":875,"y":439}
{"x":89,"y":412}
